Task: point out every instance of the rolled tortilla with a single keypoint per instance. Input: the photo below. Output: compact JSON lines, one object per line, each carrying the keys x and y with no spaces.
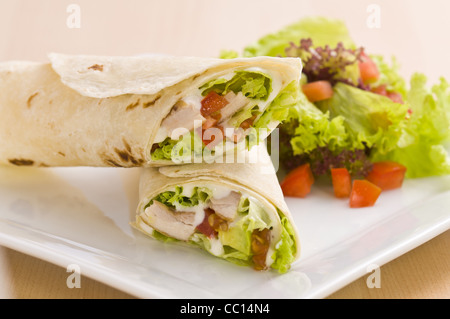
{"x":233,"y":211}
{"x":109,"y":111}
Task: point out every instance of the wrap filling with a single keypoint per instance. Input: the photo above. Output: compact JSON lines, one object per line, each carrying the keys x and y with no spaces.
{"x":219,"y":113}
{"x":229,"y":224}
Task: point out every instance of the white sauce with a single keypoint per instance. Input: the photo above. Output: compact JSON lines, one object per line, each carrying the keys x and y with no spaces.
{"x":269,"y":260}
{"x":216,"y":247}
{"x":194,"y":100}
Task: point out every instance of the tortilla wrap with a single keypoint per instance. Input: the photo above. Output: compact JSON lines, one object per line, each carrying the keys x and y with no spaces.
{"x":257,"y":180}
{"x":103,"y":111}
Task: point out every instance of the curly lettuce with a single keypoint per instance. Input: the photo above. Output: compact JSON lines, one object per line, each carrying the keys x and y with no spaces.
{"x":421,"y":147}
{"x":323,"y":31}
{"x":372,"y":120}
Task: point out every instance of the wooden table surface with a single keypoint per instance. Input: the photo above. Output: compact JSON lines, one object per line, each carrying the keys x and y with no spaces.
{"x":416,"y":32}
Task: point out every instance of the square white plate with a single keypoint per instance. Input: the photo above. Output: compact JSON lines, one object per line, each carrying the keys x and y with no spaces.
{"x":81,"y":216}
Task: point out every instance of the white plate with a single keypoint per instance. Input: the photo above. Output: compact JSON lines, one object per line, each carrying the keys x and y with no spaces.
{"x":81,"y":216}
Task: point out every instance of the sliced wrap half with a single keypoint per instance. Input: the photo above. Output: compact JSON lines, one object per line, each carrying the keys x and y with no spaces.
{"x":233,"y":211}
{"x":137,"y":111}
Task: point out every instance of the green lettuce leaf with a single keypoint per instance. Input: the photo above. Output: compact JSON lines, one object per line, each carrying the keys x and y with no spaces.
{"x":421,"y":147}
{"x":254,"y":85}
{"x":161,"y":237}
{"x":243,"y":115}
{"x":164,"y":152}
{"x":284,"y":256}
{"x":176,"y":199}
{"x":281,"y":108}
{"x":321,"y":30}
{"x":228,"y":54}
{"x":239,"y":236}
{"x":179,"y":150}
{"x":371,"y":120}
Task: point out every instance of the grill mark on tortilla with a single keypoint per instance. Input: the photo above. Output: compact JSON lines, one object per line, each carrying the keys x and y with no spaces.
{"x":127,"y":146}
{"x":133,"y":105}
{"x":195,"y":77}
{"x":21,"y":162}
{"x":111,"y":162}
{"x":96,"y":67}
{"x":133,"y":160}
{"x":123,"y":155}
{"x":151,"y":103}
{"x":126,"y":156}
{"x":31,"y":98}
{"x":62,"y":154}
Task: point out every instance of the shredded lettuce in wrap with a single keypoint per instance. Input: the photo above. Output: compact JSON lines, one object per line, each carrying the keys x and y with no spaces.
{"x":281,"y":107}
{"x":175,"y":199}
{"x":236,"y":240}
{"x":189,"y":145}
{"x":253,"y":84}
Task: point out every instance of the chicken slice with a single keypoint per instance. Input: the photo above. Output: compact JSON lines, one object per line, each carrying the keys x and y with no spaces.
{"x":183,"y":116}
{"x":236,"y":103}
{"x":226,"y":207}
{"x":178,"y":225}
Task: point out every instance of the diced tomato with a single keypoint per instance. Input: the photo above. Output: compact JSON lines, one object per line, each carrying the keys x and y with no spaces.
{"x":213,"y":136}
{"x":212,"y":103}
{"x":387,"y":175}
{"x":364,"y":194}
{"x":368,"y":70}
{"x":298,"y":182}
{"x":248,"y":123}
{"x":205,"y":228}
{"x":381,"y":89}
{"x":208,"y":123}
{"x":318,"y":91}
{"x":395,"y":97}
{"x":342,"y":182}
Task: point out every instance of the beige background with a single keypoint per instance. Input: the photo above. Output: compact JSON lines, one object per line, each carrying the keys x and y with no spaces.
{"x":416,"y":32}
